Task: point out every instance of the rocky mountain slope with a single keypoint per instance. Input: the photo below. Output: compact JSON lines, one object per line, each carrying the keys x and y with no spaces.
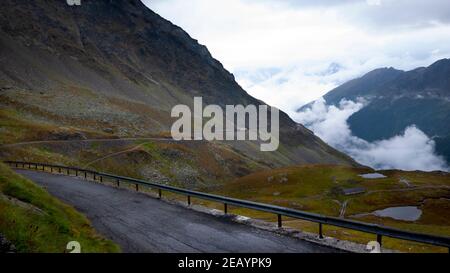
{"x":115,"y":69}
{"x":397,"y":99}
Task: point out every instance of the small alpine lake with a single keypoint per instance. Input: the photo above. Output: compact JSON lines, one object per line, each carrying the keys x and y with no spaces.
{"x":372,"y":175}
{"x":407,"y":213}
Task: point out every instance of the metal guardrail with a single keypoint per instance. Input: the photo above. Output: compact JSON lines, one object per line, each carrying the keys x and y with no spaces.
{"x":280,"y":211}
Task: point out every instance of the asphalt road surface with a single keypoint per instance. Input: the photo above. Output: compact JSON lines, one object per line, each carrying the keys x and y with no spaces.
{"x":140,"y":223}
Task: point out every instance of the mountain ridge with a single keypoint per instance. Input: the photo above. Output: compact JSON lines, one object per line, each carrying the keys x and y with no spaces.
{"x":396,"y":99}
{"x":118,"y":67}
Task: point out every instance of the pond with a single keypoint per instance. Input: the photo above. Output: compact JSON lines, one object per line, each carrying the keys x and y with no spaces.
{"x":372,"y":175}
{"x":408,"y":213}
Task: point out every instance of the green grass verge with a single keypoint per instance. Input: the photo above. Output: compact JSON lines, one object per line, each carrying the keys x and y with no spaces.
{"x":34,"y":221}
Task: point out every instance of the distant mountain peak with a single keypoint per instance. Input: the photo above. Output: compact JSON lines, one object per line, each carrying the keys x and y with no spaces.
{"x":398,"y":99}
{"x":388,"y":81}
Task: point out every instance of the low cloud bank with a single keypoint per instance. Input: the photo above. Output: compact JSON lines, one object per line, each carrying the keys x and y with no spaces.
{"x":412,"y":150}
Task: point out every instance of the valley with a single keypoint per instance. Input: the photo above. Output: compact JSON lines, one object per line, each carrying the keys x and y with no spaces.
{"x":323,"y":189}
{"x":218,"y":169}
{"x":93,"y":86}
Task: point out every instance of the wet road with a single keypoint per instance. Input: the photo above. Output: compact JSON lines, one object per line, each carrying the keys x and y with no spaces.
{"x":140,"y":223}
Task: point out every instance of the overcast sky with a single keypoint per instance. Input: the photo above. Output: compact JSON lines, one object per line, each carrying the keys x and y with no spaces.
{"x":289,"y":52}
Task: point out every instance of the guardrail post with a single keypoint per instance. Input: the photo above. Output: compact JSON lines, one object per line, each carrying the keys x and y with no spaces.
{"x":159,"y":193}
{"x":59,"y":170}
{"x":280,"y":224}
{"x":225,"y":208}
{"x":118,"y":183}
{"x":137,"y":187}
{"x":85,"y":175}
{"x":101,"y":178}
{"x":68,"y":171}
{"x":189,"y":200}
{"x":95,"y":177}
{"x":76,"y":172}
{"x":379,"y":239}
{"x":320,"y":231}
{"x":35,"y":167}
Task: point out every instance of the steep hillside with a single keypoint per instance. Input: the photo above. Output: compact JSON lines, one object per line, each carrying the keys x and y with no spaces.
{"x":115,"y":69}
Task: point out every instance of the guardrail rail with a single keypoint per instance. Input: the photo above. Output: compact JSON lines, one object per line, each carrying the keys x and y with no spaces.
{"x":378,"y":230}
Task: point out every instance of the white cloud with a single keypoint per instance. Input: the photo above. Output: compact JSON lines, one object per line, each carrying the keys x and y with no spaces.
{"x":373,"y":2}
{"x":330,"y":124}
{"x":290,"y":52}
{"x":298,"y":40}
